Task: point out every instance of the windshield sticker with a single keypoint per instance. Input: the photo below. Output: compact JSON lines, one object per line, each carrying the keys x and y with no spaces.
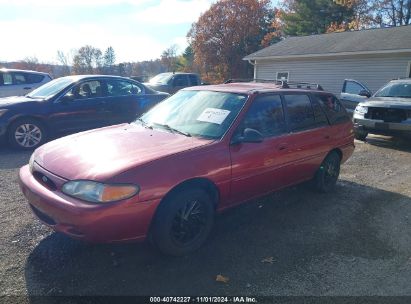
{"x":213,"y":115}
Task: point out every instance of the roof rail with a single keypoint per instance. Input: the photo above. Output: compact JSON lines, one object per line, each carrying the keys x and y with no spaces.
{"x":302,"y":85}
{"x":238,"y":80}
{"x":401,"y":78}
{"x":284,"y":84}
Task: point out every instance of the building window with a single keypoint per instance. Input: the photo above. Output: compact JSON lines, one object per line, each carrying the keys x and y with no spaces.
{"x":282,"y":76}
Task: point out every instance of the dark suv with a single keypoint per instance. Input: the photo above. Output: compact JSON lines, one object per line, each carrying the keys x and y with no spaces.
{"x":201,"y":151}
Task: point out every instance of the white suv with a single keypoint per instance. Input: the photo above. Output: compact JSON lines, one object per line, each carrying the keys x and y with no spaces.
{"x":20,"y":82}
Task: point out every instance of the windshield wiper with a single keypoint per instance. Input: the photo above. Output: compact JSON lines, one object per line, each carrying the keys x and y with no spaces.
{"x":173,"y":130}
{"x":144,"y":123}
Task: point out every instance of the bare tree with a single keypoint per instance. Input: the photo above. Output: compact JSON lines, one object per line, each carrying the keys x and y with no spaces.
{"x":169,"y":58}
{"x":64,"y":60}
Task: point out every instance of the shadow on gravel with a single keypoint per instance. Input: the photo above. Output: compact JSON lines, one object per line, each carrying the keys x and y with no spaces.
{"x":395,"y":143}
{"x":12,"y":159}
{"x":291,"y":230}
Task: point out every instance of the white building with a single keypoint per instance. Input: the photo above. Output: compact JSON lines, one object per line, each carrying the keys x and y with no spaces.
{"x":372,"y":57}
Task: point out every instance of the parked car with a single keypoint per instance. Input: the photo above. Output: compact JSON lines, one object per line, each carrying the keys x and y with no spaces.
{"x":204,"y":149}
{"x":20,"y":82}
{"x":172,"y":82}
{"x":387,"y":112}
{"x":352,"y":93}
{"x":71,"y":104}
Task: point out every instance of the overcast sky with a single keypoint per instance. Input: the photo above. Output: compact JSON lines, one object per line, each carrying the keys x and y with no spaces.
{"x":136,"y":29}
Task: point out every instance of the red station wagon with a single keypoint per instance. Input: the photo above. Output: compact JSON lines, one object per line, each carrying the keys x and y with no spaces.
{"x":203,"y":150}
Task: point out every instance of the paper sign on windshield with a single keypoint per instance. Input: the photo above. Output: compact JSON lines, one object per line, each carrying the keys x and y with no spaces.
{"x":213,"y":115}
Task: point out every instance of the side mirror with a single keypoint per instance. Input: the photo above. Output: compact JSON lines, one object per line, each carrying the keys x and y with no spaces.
{"x":66,"y":99}
{"x":250,"y":136}
{"x":365,"y":93}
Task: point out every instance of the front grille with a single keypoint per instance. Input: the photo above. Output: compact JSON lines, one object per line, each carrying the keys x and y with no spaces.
{"x":44,"y":180}
{"x":42,"y":216}
{"x":387,"y":114}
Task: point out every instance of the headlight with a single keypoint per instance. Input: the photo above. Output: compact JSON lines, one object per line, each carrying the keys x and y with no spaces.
{"x":2,"y":111}
{"x":361,"y":109}
{"x":98,"y":192}
{"x":31,"y":162}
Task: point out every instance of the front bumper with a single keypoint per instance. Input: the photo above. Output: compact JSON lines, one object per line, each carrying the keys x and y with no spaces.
{"x":381,"y":127}
{"x":112,"y":222}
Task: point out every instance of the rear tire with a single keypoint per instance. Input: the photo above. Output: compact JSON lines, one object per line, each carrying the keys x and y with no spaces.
{"x":183,"y":222}
{"x":26,"y":134}
{"x":327,"y":175}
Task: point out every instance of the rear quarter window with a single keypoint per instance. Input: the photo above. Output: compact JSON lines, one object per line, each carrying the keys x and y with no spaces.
{"x":34,"y":78}
{"x":193,"y":80}
{"x":332,"y":107}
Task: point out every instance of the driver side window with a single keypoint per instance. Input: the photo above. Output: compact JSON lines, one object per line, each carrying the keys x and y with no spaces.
{"x":265,"y":115}
{"x":85,"y":90}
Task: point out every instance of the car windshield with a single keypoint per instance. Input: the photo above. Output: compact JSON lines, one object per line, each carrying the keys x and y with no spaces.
{"x":51,"y":88}
{"x":160,"y":78}
{"x":395,"y":89}
{"x":196,"y":113}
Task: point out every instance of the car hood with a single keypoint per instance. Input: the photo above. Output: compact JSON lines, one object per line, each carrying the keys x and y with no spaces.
{"x":103,"y":153}
{"x":14,"y":100}
{"x":388,"y":102}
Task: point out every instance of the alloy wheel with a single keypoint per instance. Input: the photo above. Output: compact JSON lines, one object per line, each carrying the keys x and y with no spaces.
{"x":28,"y":135}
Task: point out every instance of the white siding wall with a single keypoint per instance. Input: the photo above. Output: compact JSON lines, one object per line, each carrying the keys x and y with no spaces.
{"x":331,"y":72}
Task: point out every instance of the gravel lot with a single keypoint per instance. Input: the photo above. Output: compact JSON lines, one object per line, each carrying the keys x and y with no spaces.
{"x":356,"y":241}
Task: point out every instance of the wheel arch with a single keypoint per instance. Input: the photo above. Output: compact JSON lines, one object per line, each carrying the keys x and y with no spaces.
{"x":197,"y":182}
{"x":22,"y":117}
{"x":338,"y":151}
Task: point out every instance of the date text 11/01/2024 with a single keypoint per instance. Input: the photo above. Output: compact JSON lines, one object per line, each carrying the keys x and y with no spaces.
{"x":239,"y":299}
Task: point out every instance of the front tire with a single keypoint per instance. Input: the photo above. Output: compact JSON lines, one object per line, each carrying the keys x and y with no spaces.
{"x":183,"y":222}
{"x":360,"y":135}
{"x":26,"y":134}
{"x":327,"y":175}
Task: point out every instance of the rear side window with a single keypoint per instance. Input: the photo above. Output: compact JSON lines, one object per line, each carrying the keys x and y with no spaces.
{"x":193,"y":80}
{"x":34,"y":78}
{"x":180,"y":81}
{"x":122,"y":88}
{"x":266,"y":116}
{"x":333,"y":109}
{"x":20,"y":78}
{"x":300,"y":112}
{"x":319,"y":114}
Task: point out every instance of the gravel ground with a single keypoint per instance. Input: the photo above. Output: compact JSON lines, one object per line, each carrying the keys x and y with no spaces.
{"x":356,"y":241}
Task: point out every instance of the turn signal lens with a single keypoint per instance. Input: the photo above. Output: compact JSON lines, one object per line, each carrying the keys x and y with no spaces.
{"x":116,"y":193}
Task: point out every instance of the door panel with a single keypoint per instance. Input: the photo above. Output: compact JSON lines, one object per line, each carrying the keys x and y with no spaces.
{"x":82,"y":108}
{"x":258,"y":168}
{"x":126,"y":101}
{"x":309,"y":137}
{"x":350,"y":97}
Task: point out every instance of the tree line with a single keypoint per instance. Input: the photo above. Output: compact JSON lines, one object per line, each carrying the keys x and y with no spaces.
{"x":231,"y":29}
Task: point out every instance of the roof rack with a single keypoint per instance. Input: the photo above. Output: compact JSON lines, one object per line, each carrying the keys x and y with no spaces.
{"x":401,"y":78}
{"x":302,"y":85}
{"x":238,"y":80}
{"x":283,"y":83}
